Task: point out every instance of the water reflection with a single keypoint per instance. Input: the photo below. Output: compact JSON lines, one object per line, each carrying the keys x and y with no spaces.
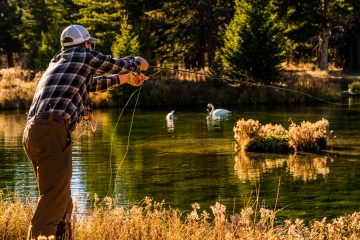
{"x":11,"y":128}
{"x":15,"y":170}
{"x":193,"y":164}
{"x":353,"y":101}
{"x":307,"y":168}
{"x":215,"y":124}
{"x":170,"y":125}
{"x":250,"y":167}
{"x":170,"y":121}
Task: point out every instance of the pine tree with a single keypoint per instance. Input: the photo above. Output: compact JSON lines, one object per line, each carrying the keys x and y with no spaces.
{"x":9,"y":20}
{"x":186,"y":31}
{"x":102,"y":19}
{"x":216,"y":72}
{"x":252,"y":45}
{"x":43,"y":22}
{"x":127,"y":42}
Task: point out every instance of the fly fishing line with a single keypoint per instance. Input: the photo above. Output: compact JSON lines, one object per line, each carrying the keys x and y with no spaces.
{"x":252,"y":83}
{"x":129,"y":134}
{"x":128,"y":139}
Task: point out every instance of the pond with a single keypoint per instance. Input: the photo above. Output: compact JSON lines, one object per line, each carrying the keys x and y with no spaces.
{"x":192,"y":160}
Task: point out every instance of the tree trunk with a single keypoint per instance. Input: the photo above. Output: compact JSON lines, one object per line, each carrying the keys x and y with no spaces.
{"x":323,"y":56}
{"x":211,"y":51}
{"x":10,"y":59}
{"x":352,"y":55}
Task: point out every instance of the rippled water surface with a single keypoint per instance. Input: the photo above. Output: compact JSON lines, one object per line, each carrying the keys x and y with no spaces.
{"x":192,"y":160}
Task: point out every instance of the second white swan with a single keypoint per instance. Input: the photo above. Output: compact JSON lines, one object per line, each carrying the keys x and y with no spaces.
{"x":217,"y":113}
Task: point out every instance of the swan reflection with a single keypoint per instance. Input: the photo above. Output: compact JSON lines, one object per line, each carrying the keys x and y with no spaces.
{"x":214,"y":124}
{"x":170,"y":121}
{"x":251,"y":167}
{"x":170,"y":125}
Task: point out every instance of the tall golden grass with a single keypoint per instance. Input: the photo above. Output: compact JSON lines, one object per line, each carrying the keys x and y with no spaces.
{"x":251,"y":135}
{"x":17,"y":87}
{"x":152,"y":220}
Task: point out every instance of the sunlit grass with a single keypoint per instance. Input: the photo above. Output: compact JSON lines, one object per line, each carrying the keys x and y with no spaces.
{"x":155,"y":220}
{"x":17,"y":87}
{"x":252,"y":136}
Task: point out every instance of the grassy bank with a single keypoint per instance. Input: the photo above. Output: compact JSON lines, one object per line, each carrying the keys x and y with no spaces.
{"x":167,"y":90}
{"x":153,"y":220}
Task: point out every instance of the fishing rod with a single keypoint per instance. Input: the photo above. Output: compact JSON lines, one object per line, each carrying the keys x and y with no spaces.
{"x":230,"y":80}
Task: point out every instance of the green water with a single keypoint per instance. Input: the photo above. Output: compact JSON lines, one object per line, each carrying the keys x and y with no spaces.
{"x":193,"y":161}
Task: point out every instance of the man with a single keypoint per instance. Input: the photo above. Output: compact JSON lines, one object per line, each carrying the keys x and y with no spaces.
{"x":59,"y":103}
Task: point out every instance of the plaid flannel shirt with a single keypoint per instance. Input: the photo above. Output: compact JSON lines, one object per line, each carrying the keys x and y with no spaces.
{"x":64,"y":87}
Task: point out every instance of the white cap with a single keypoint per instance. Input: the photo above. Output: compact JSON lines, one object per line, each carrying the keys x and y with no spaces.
{"x":75,"y":34}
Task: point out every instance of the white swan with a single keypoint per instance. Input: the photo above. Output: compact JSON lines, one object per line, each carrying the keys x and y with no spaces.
{"x":171,"y":115}
{"x":217,"y":113}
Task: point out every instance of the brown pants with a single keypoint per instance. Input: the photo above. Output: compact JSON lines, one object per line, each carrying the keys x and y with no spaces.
{"x":48,"y":145}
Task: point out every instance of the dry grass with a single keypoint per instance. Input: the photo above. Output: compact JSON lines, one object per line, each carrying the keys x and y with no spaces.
{"x":309,"y":137}
{"x":17,"y":88}
{"x":251,"y":136}
{"x":153,"y":220}
{"x":311,"y":69}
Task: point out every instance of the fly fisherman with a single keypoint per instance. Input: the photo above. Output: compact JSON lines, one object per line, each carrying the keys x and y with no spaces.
{"x":59,"y":103}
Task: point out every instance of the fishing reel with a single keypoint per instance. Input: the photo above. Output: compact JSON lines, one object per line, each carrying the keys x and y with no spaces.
{"x":137,"y":73}
{"x":88,"y":120}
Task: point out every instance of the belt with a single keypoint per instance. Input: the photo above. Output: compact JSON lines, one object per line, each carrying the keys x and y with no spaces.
{"x":51,"y":117}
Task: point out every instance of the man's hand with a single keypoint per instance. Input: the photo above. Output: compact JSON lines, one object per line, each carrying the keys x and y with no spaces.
{"x":130,"y":78}
{"x":137,"y":80}
{"x":144,"y":65}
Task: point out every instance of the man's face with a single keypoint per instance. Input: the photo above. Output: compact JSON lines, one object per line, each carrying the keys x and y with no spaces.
{"x":87,"y":45}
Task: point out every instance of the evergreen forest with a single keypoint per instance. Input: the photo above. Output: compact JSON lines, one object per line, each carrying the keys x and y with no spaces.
{"x":247,"y":38}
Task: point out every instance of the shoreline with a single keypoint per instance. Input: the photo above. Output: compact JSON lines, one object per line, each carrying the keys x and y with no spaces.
{"x":17,"y":88}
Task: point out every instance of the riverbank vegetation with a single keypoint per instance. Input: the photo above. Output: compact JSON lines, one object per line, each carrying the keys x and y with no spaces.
{"x":252,"y":136}
{"x":17,"y":87}
{"x":240,"y":46}
{"x":154,"y":220}
{"x":354,"y":87}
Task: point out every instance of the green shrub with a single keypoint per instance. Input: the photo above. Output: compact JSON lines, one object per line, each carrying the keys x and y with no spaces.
{"x":273,"y":144}
{"x":354,"y":87}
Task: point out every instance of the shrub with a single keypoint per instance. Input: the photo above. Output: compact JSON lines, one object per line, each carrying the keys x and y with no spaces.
{"x":251,"y":136}
{"x":354,"y":87}
{"x":309,"y":137}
